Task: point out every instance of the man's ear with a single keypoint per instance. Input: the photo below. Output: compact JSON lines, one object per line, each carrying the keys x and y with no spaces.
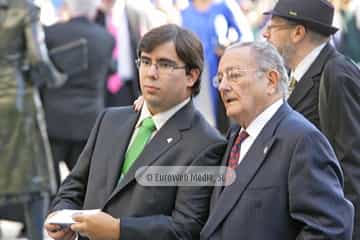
{"x":298,"y":33}
{"x":273,"y":81}
{"x":193,"y":76}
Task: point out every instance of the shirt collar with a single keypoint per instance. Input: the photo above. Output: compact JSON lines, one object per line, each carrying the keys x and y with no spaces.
{"x":305,"y":64}
{"x":161,"y":118}
{"x":260,"y":121}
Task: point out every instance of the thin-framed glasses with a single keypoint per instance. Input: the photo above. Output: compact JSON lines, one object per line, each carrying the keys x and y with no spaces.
{"x":163,"y":66}
{"x":278,"y":27}
{"x":232,"y":75}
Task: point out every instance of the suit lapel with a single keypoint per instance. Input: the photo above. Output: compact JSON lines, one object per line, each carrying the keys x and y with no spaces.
{"x":165,"y":138}
{"x":232,"y":136}
{"x":155,"y":148}
{"x":245,"y":172}
{"x":118,"y":144}
{"x":307,"y":81}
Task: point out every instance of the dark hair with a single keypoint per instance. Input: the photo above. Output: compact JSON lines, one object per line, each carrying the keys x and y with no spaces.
{"x":187,"y":46}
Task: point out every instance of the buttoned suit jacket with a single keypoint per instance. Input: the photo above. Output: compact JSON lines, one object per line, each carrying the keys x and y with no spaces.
{"x":287,"y":186}
{"x":329,"y":96}
{"x":146,"y":212}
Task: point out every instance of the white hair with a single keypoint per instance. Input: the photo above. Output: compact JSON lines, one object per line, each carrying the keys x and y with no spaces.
{"x":82,"y":7}
{"x":267,"y":57}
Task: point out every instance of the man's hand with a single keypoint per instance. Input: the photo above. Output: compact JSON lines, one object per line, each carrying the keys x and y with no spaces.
{"x":58,"y":232}
{"x":99,"y":226}
{"x":138,"y":103}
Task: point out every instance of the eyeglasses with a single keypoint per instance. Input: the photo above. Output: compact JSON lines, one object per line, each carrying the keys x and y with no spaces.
{"x":269,"y":27}
{"x":163,"y":66}
{"x":232,"y":75}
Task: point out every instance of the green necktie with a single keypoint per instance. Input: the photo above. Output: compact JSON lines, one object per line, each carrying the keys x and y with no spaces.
{"x":143,"y":135}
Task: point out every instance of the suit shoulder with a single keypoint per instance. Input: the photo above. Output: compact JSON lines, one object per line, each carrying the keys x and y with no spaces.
{"x":118,"y":114}
{"x":341,"y":67}
{"x":339,"y":62}
{"x":296,"y":126}
{"x":101,"y":35}
{"x":101,"y":30}
{"x":204,"y":131}
{"x":119,"y":110}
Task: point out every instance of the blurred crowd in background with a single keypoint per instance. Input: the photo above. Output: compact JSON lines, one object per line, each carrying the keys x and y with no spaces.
{"x":216,"y":22}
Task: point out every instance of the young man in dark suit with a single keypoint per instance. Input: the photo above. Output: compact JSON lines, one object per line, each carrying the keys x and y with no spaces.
{"x":170,"y":61}
{"x":71,"y":109}
{"x":325,"y":85}
{"x":288,"y":182}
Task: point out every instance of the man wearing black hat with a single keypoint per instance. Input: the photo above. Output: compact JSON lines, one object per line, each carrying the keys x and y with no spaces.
{"x":324,"y":85}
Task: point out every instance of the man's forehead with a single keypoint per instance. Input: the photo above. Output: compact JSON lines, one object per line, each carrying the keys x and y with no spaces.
{"x":277,"y":19}
{"x":164,"y":50}
{"x":239,"y":56}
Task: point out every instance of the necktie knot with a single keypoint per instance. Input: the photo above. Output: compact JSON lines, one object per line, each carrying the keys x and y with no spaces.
{"x":235,"y":150}
{"x":242,"y":136}
{"x":149,"y":124}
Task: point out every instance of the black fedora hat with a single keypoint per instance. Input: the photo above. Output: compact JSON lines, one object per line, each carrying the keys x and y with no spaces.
{"x":314,"y":14}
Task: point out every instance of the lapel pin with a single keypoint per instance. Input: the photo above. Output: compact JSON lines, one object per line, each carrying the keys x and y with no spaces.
{"x":266,"y":149}
{"x":169,"y":140}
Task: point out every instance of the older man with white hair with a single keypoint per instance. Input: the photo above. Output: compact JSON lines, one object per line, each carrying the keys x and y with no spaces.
{"x":288,"y":181}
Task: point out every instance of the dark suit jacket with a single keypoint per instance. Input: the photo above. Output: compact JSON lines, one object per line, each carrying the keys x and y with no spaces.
{"x":329,"y":96}
{"x":288,"y":186}
{"x":71,"y":110}
{"x":145,"y":212}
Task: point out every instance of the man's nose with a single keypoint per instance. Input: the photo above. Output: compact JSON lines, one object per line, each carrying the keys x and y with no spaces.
{"x":153,"y":70}
{"x":265,"y":33}
{"x":223,"y":85}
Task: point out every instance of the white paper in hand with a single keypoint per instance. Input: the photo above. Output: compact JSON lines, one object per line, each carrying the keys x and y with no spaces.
{"x":64,"y":217}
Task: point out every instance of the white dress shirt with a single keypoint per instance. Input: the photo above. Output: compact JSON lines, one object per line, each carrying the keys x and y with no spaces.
{"x":255,"y":127}
{"x":305,"y":64}
{"x":159,"y":119}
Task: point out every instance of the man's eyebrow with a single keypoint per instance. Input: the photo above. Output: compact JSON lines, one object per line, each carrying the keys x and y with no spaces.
{"x":162,"y":59}
{"x":166,"y":60}
{"x":146,"y":57}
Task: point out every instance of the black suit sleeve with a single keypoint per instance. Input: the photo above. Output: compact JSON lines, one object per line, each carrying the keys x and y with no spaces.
{"x":189,"y":213}
{"x":316,"y":198}
{"x":72,"y":192}
{"x":340,"y":121}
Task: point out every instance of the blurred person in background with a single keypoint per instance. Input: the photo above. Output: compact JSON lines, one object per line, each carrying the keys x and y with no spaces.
{"x":169,"y":8}
{"x":212,"y":22}
{"x":324,"y":85}
{"x":126,"y":24}
{"x":71,"y":109}
{"x":253,"y":10}
{"x":350,"y":33}
{"x":27,"y":171}
{"x":48,"y":12}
